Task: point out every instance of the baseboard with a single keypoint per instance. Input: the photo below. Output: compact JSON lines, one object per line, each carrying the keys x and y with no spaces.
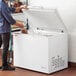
{"x":72,"y":64}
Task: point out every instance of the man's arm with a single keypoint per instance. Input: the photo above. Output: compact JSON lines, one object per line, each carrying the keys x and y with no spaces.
{"x":15,"y":10}
{"x":8,"y":17}
{"x":18,"y":9}
{"x":12,"y":10}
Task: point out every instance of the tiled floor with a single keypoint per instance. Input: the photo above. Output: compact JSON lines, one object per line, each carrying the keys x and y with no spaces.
{"x":21,"y":72}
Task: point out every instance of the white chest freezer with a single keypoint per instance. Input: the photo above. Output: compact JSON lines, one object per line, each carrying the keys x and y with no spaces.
{"x":45,"y":47}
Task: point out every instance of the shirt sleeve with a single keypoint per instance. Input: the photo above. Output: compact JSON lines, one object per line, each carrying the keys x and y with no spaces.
{"x":12,"y":10}
{"x":7,"y":14}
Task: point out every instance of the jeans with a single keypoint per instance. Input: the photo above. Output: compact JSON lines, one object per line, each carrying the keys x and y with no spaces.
{"x":4,"y":40}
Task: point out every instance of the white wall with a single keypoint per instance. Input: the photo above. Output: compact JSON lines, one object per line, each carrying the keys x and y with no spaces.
{"x":67,"y":11}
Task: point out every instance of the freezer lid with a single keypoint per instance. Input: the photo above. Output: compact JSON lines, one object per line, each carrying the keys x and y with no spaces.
{"x":45,"y":19}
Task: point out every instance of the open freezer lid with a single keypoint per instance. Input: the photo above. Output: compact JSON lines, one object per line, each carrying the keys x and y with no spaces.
{"x":45,"y":19}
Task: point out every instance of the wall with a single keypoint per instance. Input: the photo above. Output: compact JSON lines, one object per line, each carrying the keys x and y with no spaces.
{"x":67,"y":11}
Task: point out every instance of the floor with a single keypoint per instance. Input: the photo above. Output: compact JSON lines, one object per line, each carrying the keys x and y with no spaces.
{"x":71,"y":71}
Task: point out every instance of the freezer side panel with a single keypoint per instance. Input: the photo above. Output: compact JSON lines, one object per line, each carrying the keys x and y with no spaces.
{"x":58,"y":52}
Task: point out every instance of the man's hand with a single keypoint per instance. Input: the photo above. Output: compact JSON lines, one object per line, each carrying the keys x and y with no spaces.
{"x":24,"y":7}
{"x":19,"y":24}
{"x":18,"y":9}
{"x":24,"y":30}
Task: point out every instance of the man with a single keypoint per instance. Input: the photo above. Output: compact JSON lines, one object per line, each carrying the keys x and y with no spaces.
{"x":6,"y":21}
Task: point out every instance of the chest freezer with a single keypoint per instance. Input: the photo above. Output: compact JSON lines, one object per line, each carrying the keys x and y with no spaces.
{"x":45,"y":47}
